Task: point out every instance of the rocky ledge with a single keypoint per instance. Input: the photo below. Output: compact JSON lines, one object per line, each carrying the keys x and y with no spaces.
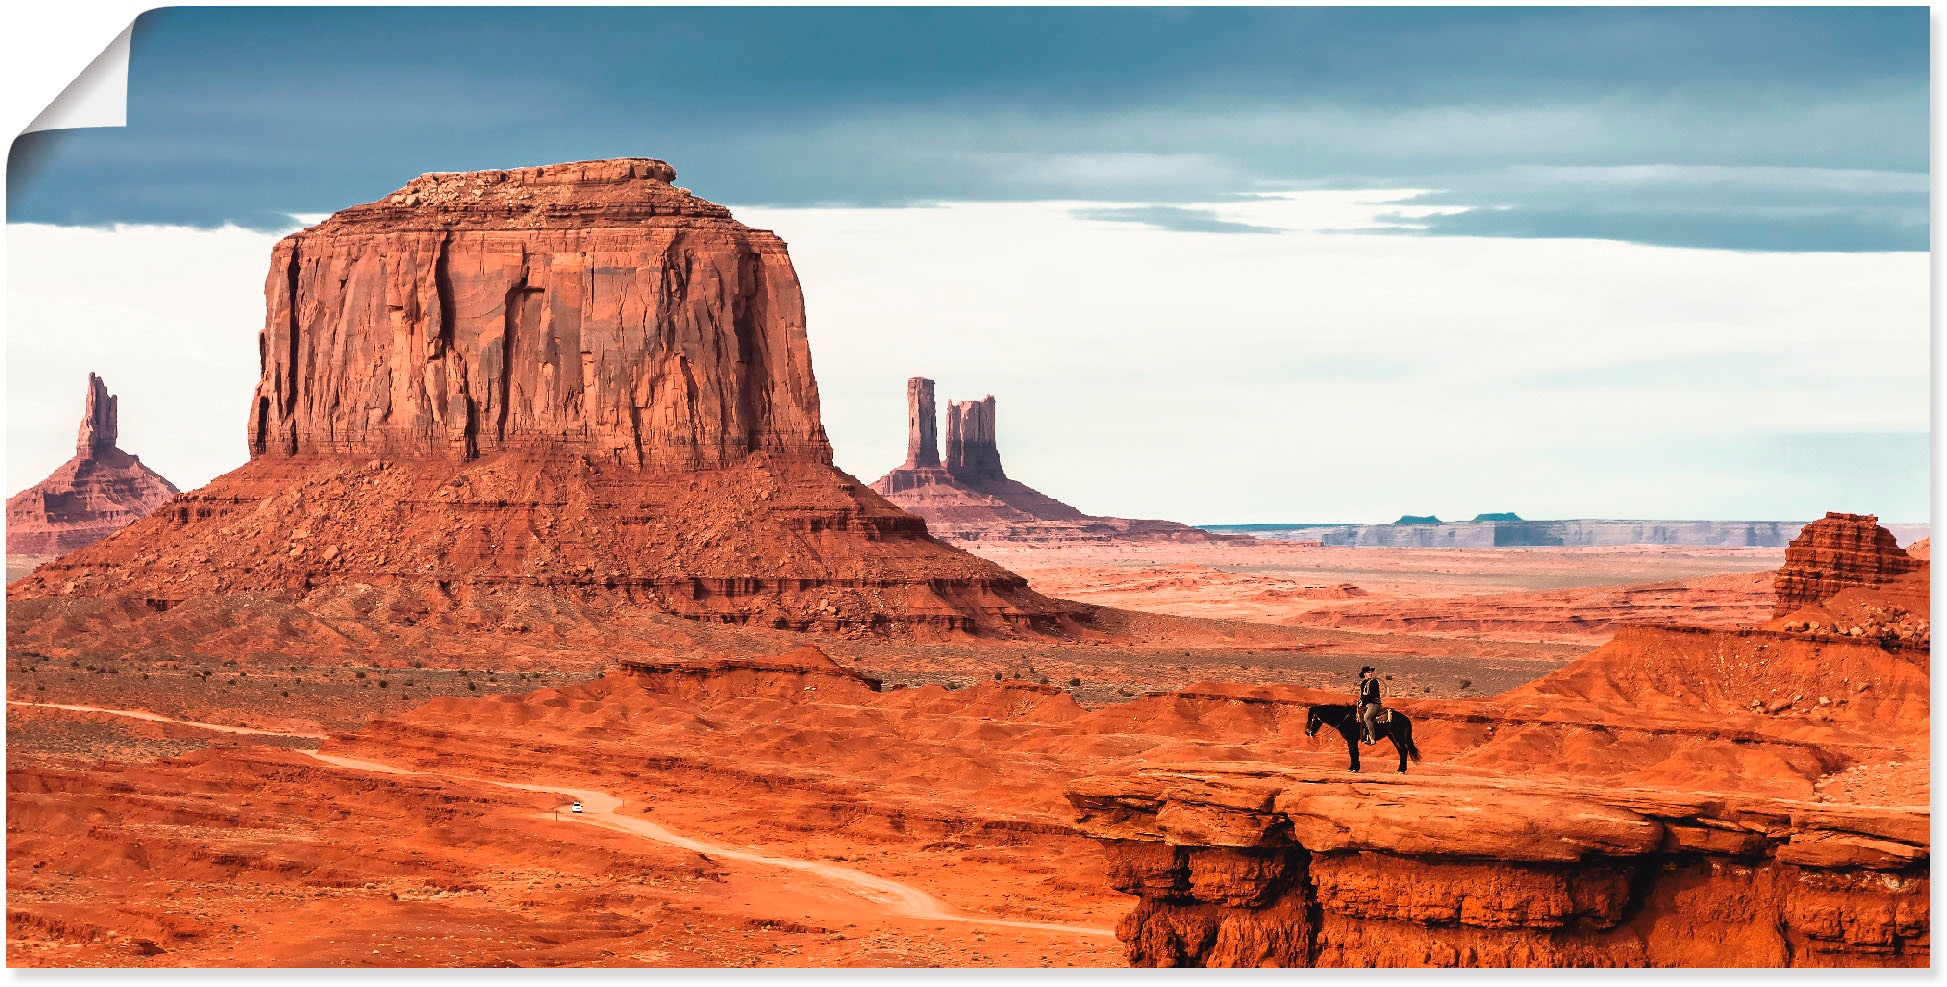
{"x":1261,"y":865}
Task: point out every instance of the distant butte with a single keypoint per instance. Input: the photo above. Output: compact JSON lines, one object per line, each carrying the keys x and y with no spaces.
{"x":971,"y":499}
{"x":91,"y":496}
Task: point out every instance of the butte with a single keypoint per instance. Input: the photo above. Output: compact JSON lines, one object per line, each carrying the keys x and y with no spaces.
{"x":536,"y":399}
{"x":91,"y":496}
{"x":970,"y":499}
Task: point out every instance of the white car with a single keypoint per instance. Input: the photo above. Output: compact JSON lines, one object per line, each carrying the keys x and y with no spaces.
{"x":575,"y":807}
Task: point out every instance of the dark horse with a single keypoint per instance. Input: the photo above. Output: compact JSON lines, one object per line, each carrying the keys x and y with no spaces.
{"x":1345,"y":719}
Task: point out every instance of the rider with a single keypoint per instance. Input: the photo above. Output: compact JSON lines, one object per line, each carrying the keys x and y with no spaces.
{"x":1369,"y":703}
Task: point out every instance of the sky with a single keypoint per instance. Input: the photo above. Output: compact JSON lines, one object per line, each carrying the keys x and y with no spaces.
{"x":1244,"y":265}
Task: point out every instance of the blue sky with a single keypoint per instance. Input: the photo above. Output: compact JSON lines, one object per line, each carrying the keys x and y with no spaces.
{"x":1750,"y":129}
{"x":1217,"y":265}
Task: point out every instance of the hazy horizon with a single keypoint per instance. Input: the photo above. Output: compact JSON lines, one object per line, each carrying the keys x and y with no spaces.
{"x":1224,"y":265}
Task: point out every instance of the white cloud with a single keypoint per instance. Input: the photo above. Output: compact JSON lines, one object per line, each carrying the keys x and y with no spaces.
{"x":1309,"y":375}
{"x":168,"y":316}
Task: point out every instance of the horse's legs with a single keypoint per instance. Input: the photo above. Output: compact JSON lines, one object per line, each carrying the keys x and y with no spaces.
{"x":1399,"y":744}
{"x":1352,"y":747}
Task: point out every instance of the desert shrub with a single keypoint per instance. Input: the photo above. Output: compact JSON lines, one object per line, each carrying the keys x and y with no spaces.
{"x":997,"y":676}
{"x":361,"y":675}
{"x":1044,"y":680}
{"x":382,"y":684}
{"x":471,"y":687}
{"x":1075,"y":681}
{"x":1467,"y":683}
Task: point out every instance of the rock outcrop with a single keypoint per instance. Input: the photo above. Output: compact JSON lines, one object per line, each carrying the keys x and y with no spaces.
{"x":1245,"y":864}
{"x":1752,"y":796}
{"x":971,"y":499}
{"x":922,"y":441}
{"x":1838,"y":552}
{"x":973,"y":454}
{"x":589,"y":308}
{"x":570,"y":383}
{"x":95,"y":494}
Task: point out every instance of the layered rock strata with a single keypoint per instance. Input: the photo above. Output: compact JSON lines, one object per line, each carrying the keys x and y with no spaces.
{"x":574,"y":381}
{"x":589,"y":308}
{"x":971,"y":499}
{"x":91,"y":496}
{"x":1838,"y":552}
{"x":1261,"y":865}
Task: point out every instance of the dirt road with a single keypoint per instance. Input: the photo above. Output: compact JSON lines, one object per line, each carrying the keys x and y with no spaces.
{"x":601,"y":809}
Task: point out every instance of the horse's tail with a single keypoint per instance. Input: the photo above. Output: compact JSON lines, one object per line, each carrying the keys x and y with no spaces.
{"x":1412,"y":749}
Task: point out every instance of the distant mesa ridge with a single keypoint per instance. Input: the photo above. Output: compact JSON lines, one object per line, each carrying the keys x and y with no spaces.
{"x":972,"y":499}
{"x":1491,"y":531}
{"x":1502,"y":516}
{"x":1417,"y":519}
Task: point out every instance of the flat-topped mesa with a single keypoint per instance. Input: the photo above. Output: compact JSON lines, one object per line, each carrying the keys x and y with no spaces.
{"x":1838,"y":552}
{"x":589,"y":308}
{"x":99,"y":420}
{"x":973,"y":454}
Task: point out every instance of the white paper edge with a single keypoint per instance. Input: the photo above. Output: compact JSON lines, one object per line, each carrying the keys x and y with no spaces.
{"x":98,"y":97}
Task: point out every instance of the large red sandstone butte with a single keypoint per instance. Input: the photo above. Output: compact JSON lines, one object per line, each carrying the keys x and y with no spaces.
{"x":97,"y":493}
{"x":574,"y":383}
{"x":971,"y":499}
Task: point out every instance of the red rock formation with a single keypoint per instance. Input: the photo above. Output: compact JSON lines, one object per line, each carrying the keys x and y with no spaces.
{"x":922,"y":444}
{"x":973,"y":453}
{"x":575,"y":380}
{"x":972,"y":499}
{"x":581,"y":308}
{"x":1262,"y":865}
{"x":1837,"y":552}
{"x":95,"y":494}
{"x":1680,"y":796}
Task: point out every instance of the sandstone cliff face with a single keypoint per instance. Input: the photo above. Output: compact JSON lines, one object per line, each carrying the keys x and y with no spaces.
{"x":922,"y":443}
{"x":95,"y":494}
{"x":971,"y":499}
{"x":1838,"y":552}
{"x":580,"y":308}
{"x":574,"y":385}
{"x":973,"y":453}
{"x":1260,"y":865}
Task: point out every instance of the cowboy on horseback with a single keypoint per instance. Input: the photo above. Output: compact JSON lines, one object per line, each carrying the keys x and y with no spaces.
{"x":1369,"y":703}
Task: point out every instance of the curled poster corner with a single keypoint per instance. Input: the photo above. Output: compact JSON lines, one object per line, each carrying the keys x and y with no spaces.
{"x":98,"y":97}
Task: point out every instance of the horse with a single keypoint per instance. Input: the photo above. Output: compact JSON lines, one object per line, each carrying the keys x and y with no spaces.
{"x":1345,"y":719}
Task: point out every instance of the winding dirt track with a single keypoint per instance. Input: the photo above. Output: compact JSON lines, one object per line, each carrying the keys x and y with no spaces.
{"x":600,"y":809}
{"x":137,"y":714}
